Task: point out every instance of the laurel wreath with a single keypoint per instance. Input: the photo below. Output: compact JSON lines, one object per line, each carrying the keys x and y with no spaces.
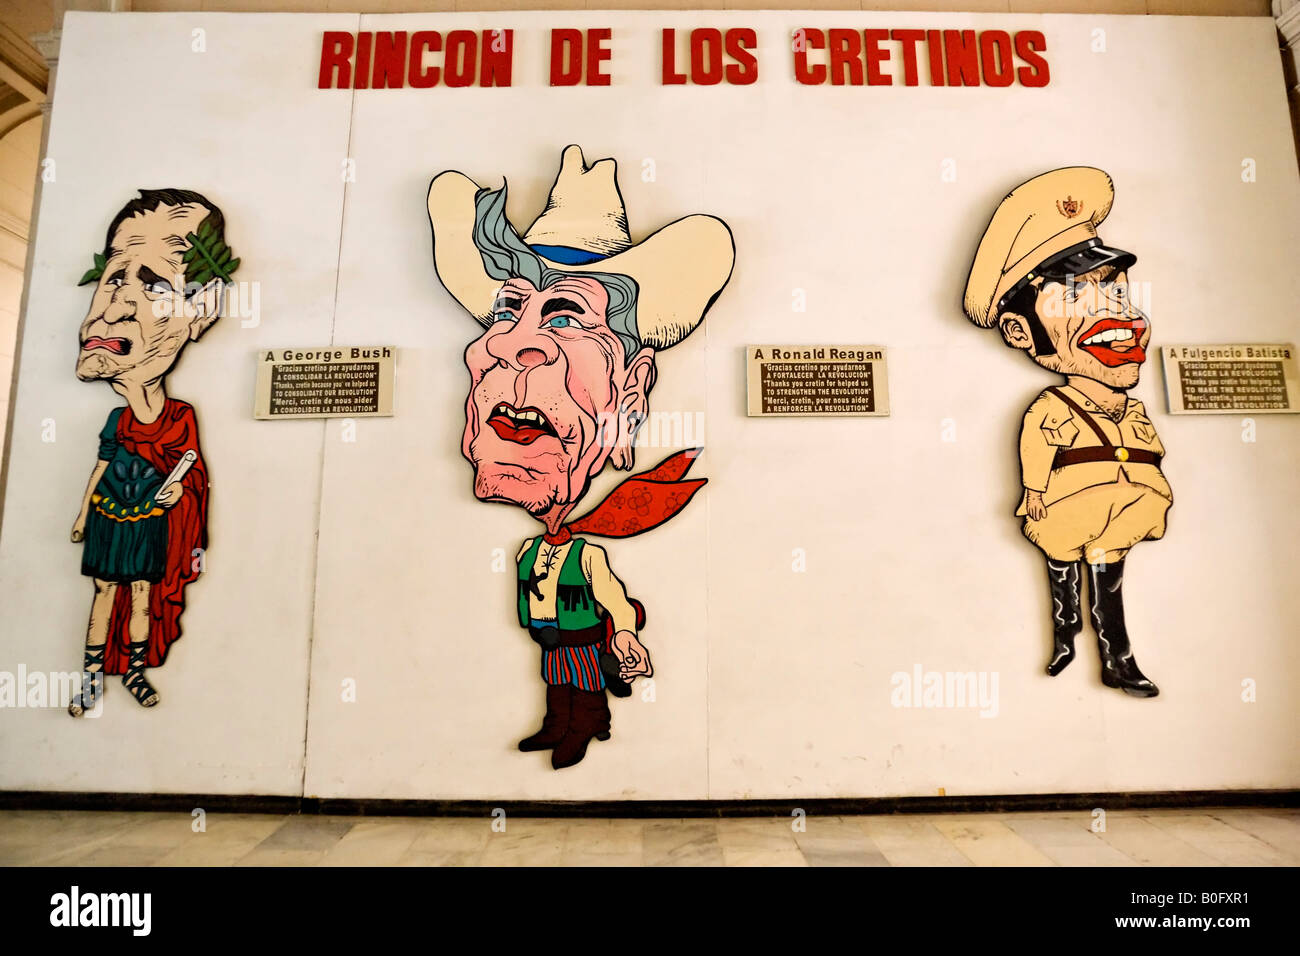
{"x":208,"y":257}
{"x":92,"y":275}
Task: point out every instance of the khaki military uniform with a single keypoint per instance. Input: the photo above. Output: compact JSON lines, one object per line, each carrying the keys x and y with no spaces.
{"x":1100,"y":479}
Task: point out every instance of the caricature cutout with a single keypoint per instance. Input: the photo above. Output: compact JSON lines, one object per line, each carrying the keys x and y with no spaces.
{"x":574,"y":316}
{"x":143,"y":520}
{"x":1089,"y":455}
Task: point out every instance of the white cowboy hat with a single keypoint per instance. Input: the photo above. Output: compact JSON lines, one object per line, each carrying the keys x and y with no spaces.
{"x":679,"y":270}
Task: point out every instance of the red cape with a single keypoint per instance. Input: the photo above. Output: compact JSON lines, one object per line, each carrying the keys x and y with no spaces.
{"x":162,"y":443}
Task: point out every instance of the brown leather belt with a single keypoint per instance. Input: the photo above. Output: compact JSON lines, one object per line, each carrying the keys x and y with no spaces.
{"x":1078,"y":456}
{"x":1103,"y":452}
{"x":556,"y":637}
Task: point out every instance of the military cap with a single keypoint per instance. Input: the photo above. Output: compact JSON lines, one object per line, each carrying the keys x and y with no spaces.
{"x":1047,"y":225}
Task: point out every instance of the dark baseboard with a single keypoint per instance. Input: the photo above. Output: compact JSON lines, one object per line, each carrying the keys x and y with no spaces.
{"x":993,"y":803}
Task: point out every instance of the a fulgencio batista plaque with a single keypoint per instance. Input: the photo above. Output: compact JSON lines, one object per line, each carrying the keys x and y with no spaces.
{"x":817,"y":380}
{"x":1231,"y":379}
{"x":330,"y":382}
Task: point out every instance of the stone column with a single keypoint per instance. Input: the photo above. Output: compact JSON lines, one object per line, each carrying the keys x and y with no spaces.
{"x":1287,"y":15}
{"x":48,"y":46}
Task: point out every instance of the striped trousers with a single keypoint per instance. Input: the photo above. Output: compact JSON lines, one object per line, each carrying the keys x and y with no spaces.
{"x":579,"y":666}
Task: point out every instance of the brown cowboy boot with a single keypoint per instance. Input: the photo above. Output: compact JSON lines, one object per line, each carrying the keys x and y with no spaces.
{"x":589,"y":718}
{"x":555,"y":724}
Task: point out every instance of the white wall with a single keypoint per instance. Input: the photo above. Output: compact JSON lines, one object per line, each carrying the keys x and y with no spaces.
{"x":235,"y":684}
{"x":769,"y":682}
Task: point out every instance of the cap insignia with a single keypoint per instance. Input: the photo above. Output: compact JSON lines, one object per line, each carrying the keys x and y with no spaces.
{"x":1069,"y":208}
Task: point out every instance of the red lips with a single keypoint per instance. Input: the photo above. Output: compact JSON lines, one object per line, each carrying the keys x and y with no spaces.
{"x":1116,"y":351}
{"x":521,"y":425}
{"x":116,"y":346}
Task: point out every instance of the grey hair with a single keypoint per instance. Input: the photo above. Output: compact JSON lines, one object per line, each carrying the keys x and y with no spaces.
{"x":506,"y":256}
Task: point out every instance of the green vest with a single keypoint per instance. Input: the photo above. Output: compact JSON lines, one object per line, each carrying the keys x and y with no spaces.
{"x":575,"y":604}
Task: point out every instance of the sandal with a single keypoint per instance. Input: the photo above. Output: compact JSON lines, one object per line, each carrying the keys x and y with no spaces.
{"x":92,"y":683}
{"x":134,"y":679}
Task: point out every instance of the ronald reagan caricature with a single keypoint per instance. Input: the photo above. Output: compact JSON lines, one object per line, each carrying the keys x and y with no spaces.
{"x":574,"y":315}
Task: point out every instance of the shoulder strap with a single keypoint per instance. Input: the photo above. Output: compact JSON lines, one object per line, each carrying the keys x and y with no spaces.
{"x":1082,"y":413}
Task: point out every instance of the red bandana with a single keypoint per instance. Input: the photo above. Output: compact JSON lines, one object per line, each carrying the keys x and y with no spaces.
{"x":639,"y":503}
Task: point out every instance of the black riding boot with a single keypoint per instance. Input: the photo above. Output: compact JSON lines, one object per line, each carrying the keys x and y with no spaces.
{"x":1118,"y":667}
{"x":1067,"y":612}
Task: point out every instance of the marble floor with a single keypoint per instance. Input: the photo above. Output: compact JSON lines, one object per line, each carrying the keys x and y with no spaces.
{"x":1238,"y":837}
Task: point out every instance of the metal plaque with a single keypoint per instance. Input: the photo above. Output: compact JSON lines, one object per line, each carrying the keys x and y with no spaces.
{"x":817,"y":380}
{"x":1231,"y":379}
{"x":328,"y":382}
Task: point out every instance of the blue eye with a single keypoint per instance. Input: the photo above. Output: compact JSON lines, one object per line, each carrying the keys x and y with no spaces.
{"x":503,"y":317}
{"x":560,"y":322}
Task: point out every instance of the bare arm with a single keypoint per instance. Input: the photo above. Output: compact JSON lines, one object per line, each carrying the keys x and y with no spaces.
{"x":634,"y":659}
{"x":79,"y":529}
{"x":608,"y":589}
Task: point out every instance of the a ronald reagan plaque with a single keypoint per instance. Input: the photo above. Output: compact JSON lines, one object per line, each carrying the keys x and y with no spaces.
{"x":332,"y":382}
{"x":817,"y":380}
{"x":1231,"y":379}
